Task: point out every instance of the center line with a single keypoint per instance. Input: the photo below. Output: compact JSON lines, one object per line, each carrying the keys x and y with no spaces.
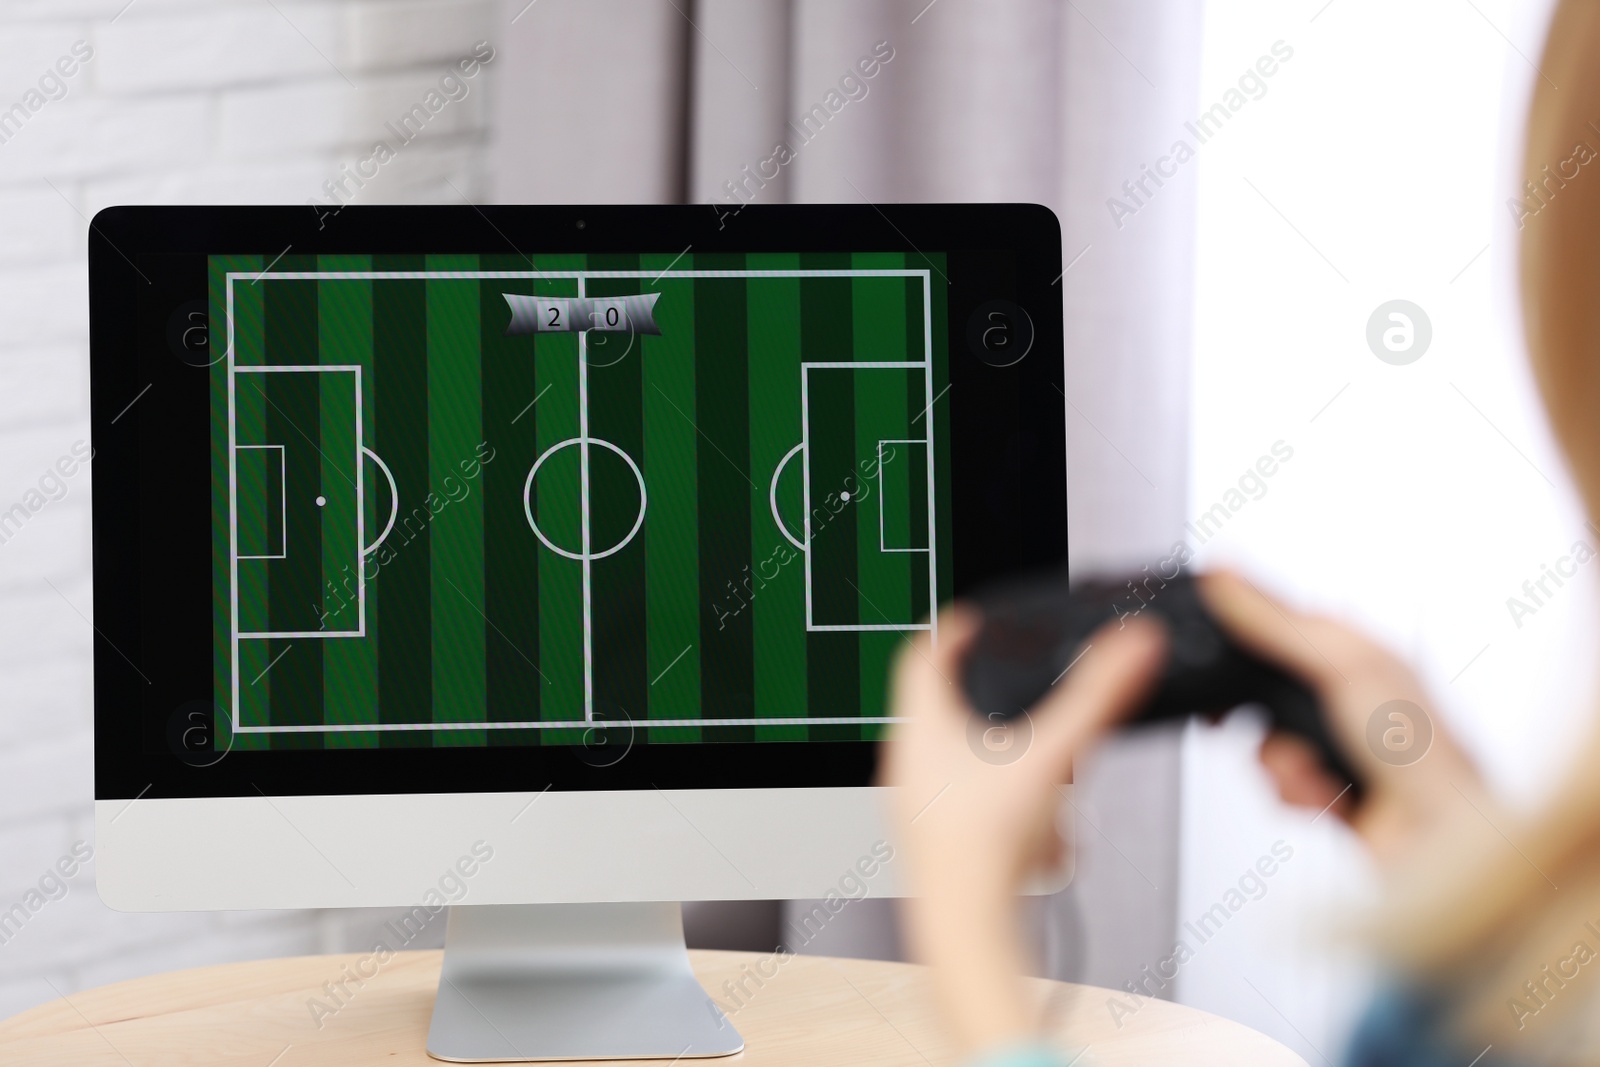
{"x":583,"y":511}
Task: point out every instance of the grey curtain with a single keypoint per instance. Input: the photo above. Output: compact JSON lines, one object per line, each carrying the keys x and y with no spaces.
{"x":1055,"y":101}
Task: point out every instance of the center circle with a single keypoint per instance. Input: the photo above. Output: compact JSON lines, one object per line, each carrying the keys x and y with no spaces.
{"x":527,"y":498}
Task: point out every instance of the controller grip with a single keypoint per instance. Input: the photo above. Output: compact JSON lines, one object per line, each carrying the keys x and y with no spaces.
{"x":1294,"y":710}
{"x":1035,"y":629}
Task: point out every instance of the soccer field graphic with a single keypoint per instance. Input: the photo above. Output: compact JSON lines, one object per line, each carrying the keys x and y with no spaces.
{"x":476,"y":501}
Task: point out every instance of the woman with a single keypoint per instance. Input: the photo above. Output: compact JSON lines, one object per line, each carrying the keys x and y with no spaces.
{"x":1492,"y":964}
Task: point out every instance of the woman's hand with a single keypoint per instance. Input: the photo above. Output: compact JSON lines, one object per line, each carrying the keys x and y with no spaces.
{"x":1409,"y":785}
{"x":974,"y":821}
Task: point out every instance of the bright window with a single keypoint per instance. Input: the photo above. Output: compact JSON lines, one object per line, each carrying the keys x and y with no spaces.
{"x":1420,"y":496}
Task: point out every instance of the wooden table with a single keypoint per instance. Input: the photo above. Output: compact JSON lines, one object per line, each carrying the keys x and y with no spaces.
{"x":813,"y":1011}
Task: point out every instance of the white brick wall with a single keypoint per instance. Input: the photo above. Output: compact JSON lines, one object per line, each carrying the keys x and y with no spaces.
{"x":184,"y":101}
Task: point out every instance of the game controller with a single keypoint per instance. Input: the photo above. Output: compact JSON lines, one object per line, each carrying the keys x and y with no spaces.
{"x":1034,"y":630}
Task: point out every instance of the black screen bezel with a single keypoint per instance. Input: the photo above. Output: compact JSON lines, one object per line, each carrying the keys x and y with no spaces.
{"x":1007,"y":438}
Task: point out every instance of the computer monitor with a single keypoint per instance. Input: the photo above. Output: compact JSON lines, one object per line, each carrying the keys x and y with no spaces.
{"x":545,"y":563}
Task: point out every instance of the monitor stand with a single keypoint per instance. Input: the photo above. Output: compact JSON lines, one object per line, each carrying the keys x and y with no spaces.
{"x":572,"y":982}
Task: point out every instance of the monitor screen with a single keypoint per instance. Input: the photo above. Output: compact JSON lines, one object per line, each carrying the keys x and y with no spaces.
{"x":454,"y":500}
{"x":489,"y":500}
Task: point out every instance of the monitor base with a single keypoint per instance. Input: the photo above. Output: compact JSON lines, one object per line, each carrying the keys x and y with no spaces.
{"x":525,"y":982}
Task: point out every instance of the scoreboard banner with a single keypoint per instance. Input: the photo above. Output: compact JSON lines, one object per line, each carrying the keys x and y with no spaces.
{"x":567,"y":314}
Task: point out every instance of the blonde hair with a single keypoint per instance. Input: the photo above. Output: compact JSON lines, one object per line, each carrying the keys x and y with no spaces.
{"x":1485,"y":923}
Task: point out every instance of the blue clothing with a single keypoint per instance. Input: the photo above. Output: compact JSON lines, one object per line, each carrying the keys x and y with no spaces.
{"x":1403,"y":1027}
{"x":1033,"y":1054}
{"x":1406,"y":1027}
